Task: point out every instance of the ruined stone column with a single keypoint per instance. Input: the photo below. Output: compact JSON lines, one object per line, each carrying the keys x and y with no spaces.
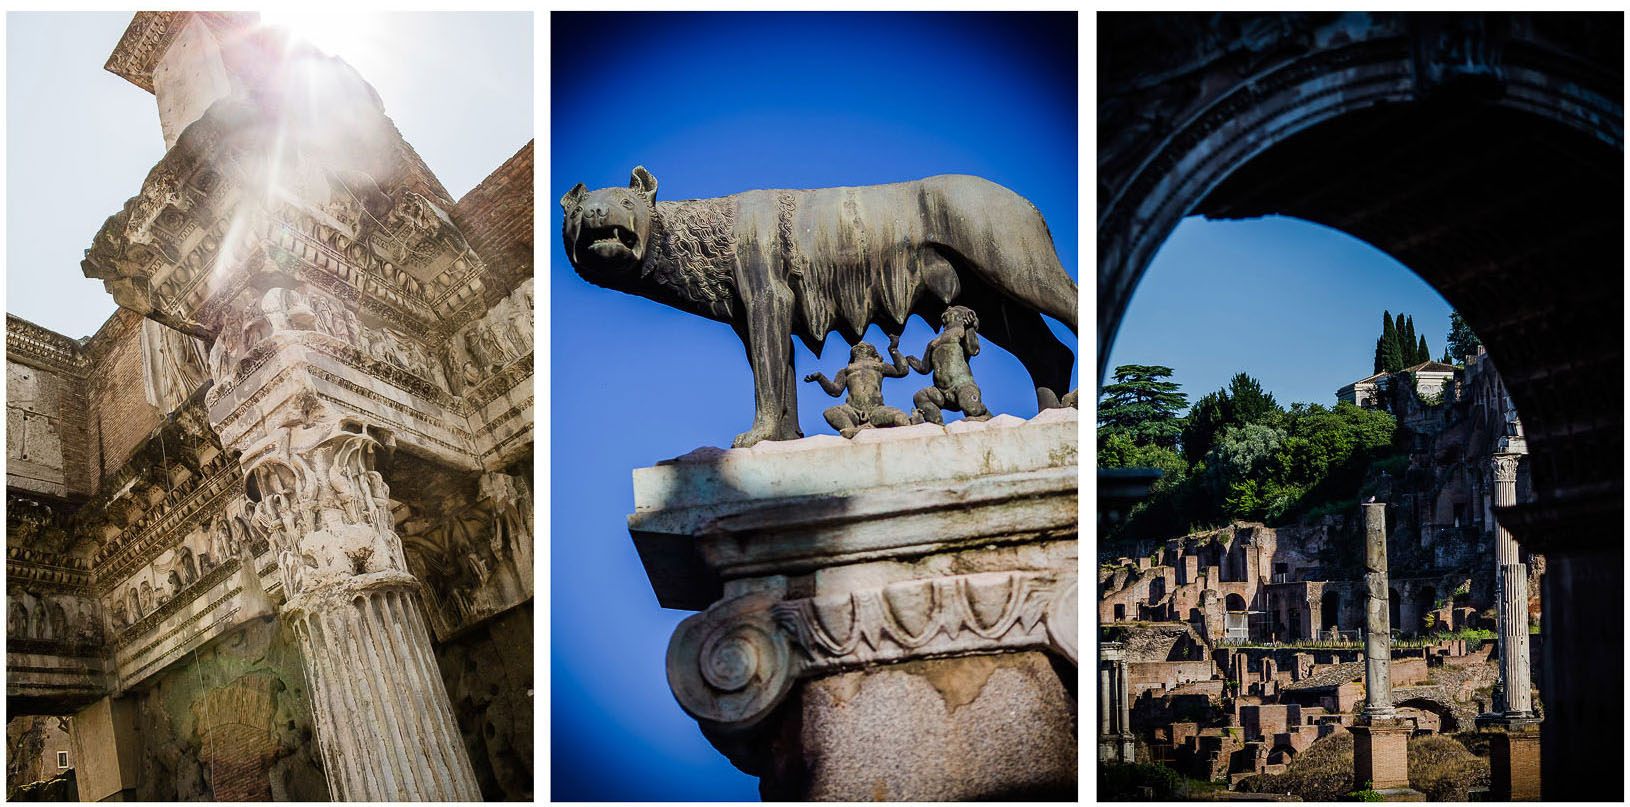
{"x":1105,"y":724}
{"x":1377,"y":630}
{"x":1512,"y":576}
{"x":384,"y":724}
{"x":1380,"y":739}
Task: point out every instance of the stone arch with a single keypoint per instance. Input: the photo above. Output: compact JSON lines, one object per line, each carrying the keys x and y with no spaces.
{"x":1482,"y":150}
{"x":1234,"y":602}
{"x":1447,"y":722}
{"x":1157,"y":589}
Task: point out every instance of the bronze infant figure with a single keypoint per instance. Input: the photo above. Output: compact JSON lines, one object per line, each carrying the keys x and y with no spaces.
{"x":864,"y":379}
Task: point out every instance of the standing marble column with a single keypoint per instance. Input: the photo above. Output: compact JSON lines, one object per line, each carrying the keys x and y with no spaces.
{"x":1512,"y":577}
{"x":1377,"y":629}
{"x":383,"y":721}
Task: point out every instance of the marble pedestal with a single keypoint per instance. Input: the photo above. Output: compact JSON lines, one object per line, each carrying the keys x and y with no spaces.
{"x":887,"y":618}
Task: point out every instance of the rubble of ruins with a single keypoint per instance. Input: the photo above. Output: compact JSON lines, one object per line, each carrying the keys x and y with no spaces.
{"x":1234,"y":649}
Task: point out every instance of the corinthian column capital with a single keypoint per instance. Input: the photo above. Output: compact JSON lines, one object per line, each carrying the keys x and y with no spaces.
{"x":1505,"y":467}
{"x":314,"y":491}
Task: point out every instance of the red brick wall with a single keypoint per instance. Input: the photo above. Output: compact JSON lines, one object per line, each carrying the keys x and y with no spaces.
{"x":121,"y":418}
{"x":496,"y":218}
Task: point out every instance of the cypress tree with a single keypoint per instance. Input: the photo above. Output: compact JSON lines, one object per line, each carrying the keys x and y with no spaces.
{"x":1392,"y":354}
{"x":1422,"y":353}
{"x":1406,"y":340}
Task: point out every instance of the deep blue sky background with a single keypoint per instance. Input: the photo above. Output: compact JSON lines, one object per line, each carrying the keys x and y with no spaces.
{"x":1295,"y":304}
{"x":714,"y":104}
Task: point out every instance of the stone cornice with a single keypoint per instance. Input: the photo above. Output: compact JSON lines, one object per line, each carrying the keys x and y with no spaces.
{"x":172,"y":606}
{"x":149,"y":36}
{"x":195,"y":501}
{"x":36,"y":344}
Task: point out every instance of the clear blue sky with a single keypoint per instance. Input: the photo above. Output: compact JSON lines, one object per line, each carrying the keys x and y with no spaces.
{"x":80,"y":140}
{"x":713,"y":105}
{"x":1295,"y":304}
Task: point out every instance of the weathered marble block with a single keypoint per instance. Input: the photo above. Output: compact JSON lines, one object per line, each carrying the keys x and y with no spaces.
{"x":862,"y":600}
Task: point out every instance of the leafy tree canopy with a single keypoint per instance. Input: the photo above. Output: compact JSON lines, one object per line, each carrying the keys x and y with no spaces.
{"x":1462,"y":342}
{"x":1142,"y":405}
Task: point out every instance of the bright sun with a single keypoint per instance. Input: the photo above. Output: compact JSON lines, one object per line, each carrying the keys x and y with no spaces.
{"x":348,"y":35}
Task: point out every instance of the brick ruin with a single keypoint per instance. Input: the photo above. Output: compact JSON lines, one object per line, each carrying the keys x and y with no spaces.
{"x":1242,"y":645}
{"x":269,"y":530}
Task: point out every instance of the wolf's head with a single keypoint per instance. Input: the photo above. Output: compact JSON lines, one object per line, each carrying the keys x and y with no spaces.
{"x":607,"y":231}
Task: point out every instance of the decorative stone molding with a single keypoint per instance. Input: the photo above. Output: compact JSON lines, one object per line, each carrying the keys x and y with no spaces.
{"x":27,"y":342}
{"x":732,"y":664}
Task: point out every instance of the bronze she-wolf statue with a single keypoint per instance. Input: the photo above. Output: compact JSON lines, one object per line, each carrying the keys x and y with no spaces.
{"x":781,"y":263}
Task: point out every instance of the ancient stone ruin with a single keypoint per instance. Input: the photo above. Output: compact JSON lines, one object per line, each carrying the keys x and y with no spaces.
{"x":1244,"y":645}
{"x":1485,"y":152}
{"x":269,"y":530}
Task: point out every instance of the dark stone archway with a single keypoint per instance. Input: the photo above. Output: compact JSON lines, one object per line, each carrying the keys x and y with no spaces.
{"x":1483,"y":151}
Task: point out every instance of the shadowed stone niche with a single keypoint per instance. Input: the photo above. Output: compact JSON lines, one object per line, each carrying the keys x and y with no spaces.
{"x":892,"y":617}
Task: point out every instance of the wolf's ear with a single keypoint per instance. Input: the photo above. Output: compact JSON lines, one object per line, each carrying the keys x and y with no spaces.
{"x":643,"y":184}
{"x":571,"y":198}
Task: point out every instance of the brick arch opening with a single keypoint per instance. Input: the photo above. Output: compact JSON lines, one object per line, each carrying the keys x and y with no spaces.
{"x":1484,"y":151}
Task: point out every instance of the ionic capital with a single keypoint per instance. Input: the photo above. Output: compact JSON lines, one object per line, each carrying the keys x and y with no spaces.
{"x":732,"y":664}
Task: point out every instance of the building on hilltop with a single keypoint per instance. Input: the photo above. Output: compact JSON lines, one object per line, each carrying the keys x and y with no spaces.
{"x":269,"y":530}
{"x":1426,"y":379}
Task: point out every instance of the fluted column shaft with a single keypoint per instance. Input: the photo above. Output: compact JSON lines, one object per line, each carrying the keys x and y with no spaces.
{"x":384,"y":723}
{"x":1123,"y":697}
{"x":1512,"y":576}
{"x":1377,"y":630}
{"x":1106,"y":705}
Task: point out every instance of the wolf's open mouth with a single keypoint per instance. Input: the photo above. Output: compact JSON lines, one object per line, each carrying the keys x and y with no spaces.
{"x":613,"y":234}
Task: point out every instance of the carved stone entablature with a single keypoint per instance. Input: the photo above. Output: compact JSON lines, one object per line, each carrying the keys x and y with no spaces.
{"x":53,"y":618}
{"x":149,"y":36}
{"x":174,"y":482}
{"x":492,"y":354}
{"x":28,"y":342}
{"x":732,"y":664}
{"x":469,"y":539}
{"x":252,"y":333}
{"x":237,"y":198}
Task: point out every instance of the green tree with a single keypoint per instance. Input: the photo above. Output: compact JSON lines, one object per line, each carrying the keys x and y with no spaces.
{"x":1389,"y":353}
{"x":1142,"y":405}
{"x":1461,"y":341}
{"x":1251,"y":404}
{"x":1406,"y":340}
{"x":1422,"y":353}
{"x":1207,"y":417}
